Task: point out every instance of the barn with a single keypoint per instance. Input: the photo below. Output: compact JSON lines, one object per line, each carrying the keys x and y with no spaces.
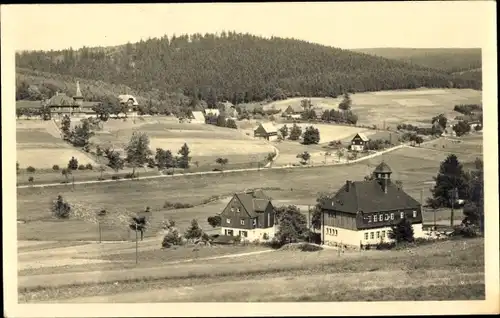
{"x":267,"y":131}
{"x":362,"y":212}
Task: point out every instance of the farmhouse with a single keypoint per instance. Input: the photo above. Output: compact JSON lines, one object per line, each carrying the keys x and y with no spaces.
{"x":249,"y":215}
{"x":196,"y":117}
{"x":318,"y":112}
{"x":362,"y":212}
{"x":267,"y":131}
{"x":359,"y":141}
{"x":212,"y":112}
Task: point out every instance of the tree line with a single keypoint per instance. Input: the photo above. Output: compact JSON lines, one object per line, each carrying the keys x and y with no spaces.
{"x":238,"y":67}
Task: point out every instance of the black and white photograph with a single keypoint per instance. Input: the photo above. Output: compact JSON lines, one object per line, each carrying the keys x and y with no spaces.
{"x":333,"y":157}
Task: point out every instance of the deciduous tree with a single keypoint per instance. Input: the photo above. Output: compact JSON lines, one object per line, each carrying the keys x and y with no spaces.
{"x":138,"y":151}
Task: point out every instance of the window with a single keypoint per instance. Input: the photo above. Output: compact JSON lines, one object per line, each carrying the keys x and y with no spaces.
{"x":386,"y":217}
{"x":242,"y":222}
{"x":366,"y":236}
{"x":414,"y":214}
{"x":402,"y":215}
{"x":244,"y":233}
{"x":336,"y":232}
{"x":232,"y":209}
{"x":238,"y":210}
{"x":371,"y":235}
{"x":381,"y":217}
{"x":254,"y":221}
{"x":383,"y":233}
{"x":228,"y":221}
{"x":369,"y":219}
{"x":392,"y":216}
{"x":378,"y":234}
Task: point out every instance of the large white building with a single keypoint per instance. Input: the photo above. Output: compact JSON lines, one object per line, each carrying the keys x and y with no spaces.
{"x":362,"y":212}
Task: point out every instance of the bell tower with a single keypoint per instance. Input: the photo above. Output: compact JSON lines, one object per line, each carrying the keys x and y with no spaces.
{"x":382,"y":174}
{"x":78,"y":98}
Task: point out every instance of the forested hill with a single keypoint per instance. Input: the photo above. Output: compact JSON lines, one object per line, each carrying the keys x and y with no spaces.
{"x":238,"y":67}
{"x":450,"y":60}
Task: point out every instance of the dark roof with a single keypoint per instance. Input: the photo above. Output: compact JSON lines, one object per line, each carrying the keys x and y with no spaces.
{"x":253,"y":201}
{"x":369,"y":196}
{"x":382,"y":168}
{"x":61,"y":100}
{"x":296,"y":108}
{"x":89,"y":104}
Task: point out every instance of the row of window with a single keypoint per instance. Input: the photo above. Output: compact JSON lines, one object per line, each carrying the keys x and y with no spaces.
{"x":242,"y":222}
{"x":372,"y":235}
{"x":387,"y":217}
{"x":235,"y":209}
{"x":330,"y":231}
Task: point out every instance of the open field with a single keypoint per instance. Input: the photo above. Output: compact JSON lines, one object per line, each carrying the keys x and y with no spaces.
{"x":414,"y":166}
{"x":394,"y":107}
{"x":441,"y":271}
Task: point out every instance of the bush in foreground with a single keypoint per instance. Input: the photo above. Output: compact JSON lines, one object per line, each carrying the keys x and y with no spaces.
{"x":55,"y":167}
{"x":61,"y":208}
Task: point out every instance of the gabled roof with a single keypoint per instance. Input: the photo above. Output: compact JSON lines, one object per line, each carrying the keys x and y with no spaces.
{"x":197,"y":115}
{"x":369,"y":196}
{"x":61,"y":99}
{"x":253,"y":202}
{"x":125,"y":98}
{"x":269,"y":127}
{"x":362,"y":136}
{"x":383,"y":168}
{"x":318,"y":111}
{"x":295,"y":108}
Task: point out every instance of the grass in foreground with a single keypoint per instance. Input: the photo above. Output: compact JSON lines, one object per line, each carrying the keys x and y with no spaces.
{"x":457,"y":261}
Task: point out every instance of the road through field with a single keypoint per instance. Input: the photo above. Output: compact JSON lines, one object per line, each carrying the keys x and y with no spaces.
{"x":218,"y":172}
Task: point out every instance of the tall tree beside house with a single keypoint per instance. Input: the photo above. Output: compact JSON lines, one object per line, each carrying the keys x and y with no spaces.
{"x":317,"y":210}
{"x":80,"y":137}
{"x":450,"y":178}
{"x":345,"y":104}
{"x":184,"y":158}
{"x":137,"y":150}
{"x":295,"y":132}
{"x":461,"y":128}
{"x":402,"y":231}
{"x":115,"y":161}
{"x":284,"y":131}
{"x":169,"y":159}
{"x":311,"y":136}
{"x":441,"y":120}
{"x":66,"y":127}
{"x":212,"y":98}
{"x":292,"y":225}
{"x":214,"y":221}
{"x":306,"y":104}
{"x":194,"y":231}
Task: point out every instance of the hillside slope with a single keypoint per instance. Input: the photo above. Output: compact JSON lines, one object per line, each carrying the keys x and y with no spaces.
{"x":449,"y":60}
{"x":238,"y":67}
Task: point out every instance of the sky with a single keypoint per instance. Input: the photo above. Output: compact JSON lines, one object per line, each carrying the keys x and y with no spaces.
{"x":345,"y":25}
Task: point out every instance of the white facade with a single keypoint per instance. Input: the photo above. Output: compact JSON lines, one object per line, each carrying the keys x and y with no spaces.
{"x":357,"y":147}
{"x":368,"y":236}
{"x":273,"y":137}
{"x":250,"y":235}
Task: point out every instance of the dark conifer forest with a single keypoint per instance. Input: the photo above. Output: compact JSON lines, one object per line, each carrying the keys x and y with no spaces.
{"x":237,"y":67}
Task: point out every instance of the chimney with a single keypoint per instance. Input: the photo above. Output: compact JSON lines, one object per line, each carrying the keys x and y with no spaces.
{"x":348,"y":185}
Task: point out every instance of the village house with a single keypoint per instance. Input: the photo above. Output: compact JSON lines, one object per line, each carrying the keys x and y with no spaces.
{"x":359,"y":142}
{"x":61,"y":104}
{"x":196,"y":117}
{"x":267,"y":131}
{"x":249,"y":215}
{"x":212,"y":112}
{"x":362,"y":212}
{"x":318,"y":112}
{"x":293,"y":111}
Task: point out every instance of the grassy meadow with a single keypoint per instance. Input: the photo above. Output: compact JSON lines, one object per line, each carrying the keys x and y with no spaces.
{"x":445,"y":270}
{"x":414,"y":166}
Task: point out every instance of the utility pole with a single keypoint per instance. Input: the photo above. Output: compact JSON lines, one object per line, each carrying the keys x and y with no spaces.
{"x":453,"y":191}
{"x":136,"y":245}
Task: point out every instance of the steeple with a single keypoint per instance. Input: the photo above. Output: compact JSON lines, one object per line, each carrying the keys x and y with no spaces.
{"x":78,"y":98}
{"x":382,"y":174}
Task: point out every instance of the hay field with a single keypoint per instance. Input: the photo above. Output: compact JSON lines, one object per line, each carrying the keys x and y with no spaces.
{"x":397,"y":106}
{"x":283,"y":275}
{"x":39,"y":145}
{"x":414,"y":166}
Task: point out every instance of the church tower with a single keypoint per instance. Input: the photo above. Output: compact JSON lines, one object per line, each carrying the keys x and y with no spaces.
{"x":382,"y":174}
{"x":78,"y":98}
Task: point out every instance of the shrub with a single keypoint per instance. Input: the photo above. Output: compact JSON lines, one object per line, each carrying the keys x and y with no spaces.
{"x":101,"y":178}
{"x":214,"y":221}
{"x":81,"y":167}
{"x":177,"y":205}
{"x":88,"y":166}
{"x":31,"y":179}
{"x":305,"y":247}
{"x":129,"y":175}
{"x":61,"y":208}
{"x":171,"y":238}
{"x":384,"y":246}
{"x":55,"y":167}
{"x":73,"y":163}
{"x":115,"y":178}
{"x":265,"y":236}
{"x":30,"y":169}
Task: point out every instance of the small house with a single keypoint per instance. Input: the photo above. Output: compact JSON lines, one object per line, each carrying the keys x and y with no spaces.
{"x":128,"y":100}
{"x":267,"y":131}
{"x":362,"y":212}
{"x":359,"y":142}
{"x":196,"y":117}
{"x":294,"y":109}
{"x":212,"y":112}
{"x":249,"y":215}
{"x":318,"y":112}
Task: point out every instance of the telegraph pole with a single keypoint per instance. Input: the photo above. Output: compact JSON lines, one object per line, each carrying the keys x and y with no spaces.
{"x":136,"y":245}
